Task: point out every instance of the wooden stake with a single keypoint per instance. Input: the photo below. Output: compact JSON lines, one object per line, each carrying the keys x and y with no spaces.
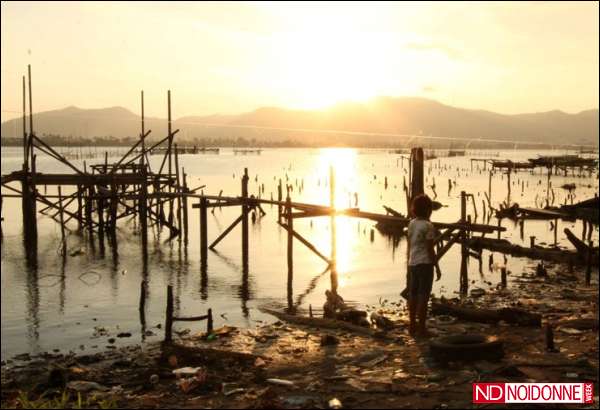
{"x":203,"y":232}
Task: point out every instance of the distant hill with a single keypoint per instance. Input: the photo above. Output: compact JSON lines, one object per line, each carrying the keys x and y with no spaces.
{"x":383,"y":115}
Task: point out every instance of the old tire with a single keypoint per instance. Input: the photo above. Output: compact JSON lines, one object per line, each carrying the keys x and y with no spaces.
{"x":467,"y":347}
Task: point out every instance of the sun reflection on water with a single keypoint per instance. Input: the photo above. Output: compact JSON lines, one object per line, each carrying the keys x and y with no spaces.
{"x":343,"y":162}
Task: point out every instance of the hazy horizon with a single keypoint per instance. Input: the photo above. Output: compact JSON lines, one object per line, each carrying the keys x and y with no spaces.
{"x":231,"y":58}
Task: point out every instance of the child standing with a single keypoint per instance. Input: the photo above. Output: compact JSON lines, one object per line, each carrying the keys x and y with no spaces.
{"x":421,"y":261}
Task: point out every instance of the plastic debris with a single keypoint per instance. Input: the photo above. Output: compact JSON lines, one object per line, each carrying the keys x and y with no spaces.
{"x":280,"y":382}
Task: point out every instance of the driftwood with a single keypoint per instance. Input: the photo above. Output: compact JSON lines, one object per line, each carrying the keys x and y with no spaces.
{"x":192,"y":355}
{"x":504,"y":246}
{"x":581,"y":246}
{"x":535,"y":213}
{"x":321,"y":323}
{"x":510,"y":315}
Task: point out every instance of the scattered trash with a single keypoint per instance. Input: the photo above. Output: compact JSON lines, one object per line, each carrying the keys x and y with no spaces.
{"x":571,"y":331}
{"x":280,"y":382}
{"x":187,"y":371}
{"x":375,"y":361}
{"x":230,"y":389}
{"x":334,"y":404}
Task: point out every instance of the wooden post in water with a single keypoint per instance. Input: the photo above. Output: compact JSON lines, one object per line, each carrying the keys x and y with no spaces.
{"x":79,"y":209}
{"x":25,"y":142}
{"x":143,"y":197}
{"x":417,"y":185}
{"x":490,"y":189}
{"x":279,"y":199}
{"x":169,"y":152}
{"x":464,"y":275}
{"x":185,"y":208}
{"x":203,"y":232}
{"x":101,"y":227}
{"x":178,"y":190}
{"x":245,"y":209}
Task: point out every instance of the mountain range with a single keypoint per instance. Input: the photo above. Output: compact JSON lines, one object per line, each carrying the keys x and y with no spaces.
{"x":383,"y":120}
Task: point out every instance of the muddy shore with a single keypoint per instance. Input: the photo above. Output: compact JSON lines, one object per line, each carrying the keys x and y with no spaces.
{"x":286,"y":365}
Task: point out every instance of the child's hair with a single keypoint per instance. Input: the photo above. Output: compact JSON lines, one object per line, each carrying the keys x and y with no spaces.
{"x":422,"y":206}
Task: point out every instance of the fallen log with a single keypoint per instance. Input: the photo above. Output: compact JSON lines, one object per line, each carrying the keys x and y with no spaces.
{"x":581,"y":246}
{"x":536,"y":213}
{"x":510,"y":315}
{"x":193,"y":355}
{"x":580,"y":324}
{"x":321,"y":323}
{"x":504,"y":246}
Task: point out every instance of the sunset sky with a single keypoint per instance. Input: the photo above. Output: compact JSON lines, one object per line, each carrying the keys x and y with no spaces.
{"x":235,"y":57}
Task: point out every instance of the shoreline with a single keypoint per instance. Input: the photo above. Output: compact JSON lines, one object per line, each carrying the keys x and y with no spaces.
{"x":319,"y":365}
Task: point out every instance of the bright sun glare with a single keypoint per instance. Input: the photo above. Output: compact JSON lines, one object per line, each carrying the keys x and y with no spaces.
{"x":328,"y":61}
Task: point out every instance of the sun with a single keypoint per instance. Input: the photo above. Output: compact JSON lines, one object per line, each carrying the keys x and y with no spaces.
{"x":327,"y":62}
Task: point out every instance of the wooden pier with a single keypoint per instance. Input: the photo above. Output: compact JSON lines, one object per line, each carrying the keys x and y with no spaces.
{"x":98,"y":196}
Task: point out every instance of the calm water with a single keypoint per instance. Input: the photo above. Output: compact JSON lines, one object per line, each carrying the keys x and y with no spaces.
{"x":57,"y":306}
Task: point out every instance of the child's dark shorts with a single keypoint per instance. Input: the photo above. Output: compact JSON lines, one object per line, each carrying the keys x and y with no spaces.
{"x":420,"y":280}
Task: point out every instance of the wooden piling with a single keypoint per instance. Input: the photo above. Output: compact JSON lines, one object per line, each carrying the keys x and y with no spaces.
{"x":203,"y":231}
{"x":185,"y":208}
{"x":279,"y":199}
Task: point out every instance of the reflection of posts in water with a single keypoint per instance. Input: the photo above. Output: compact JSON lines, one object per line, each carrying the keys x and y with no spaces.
{"x":245,"y":290}
{"x":334,"y":276}
{"x":63,"y":284}
{"x":464,"y":274}
{"x":203,"y":233}
{"x":203,"y":282}
{"x":290,"y":251}
{"x":33,"y":304}
{"x":142,"y":307}
{"x":245,"y":179}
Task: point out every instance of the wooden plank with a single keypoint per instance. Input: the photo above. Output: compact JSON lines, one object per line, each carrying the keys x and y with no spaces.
{"x":306,"y":243}
{"x":541,"y":213}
